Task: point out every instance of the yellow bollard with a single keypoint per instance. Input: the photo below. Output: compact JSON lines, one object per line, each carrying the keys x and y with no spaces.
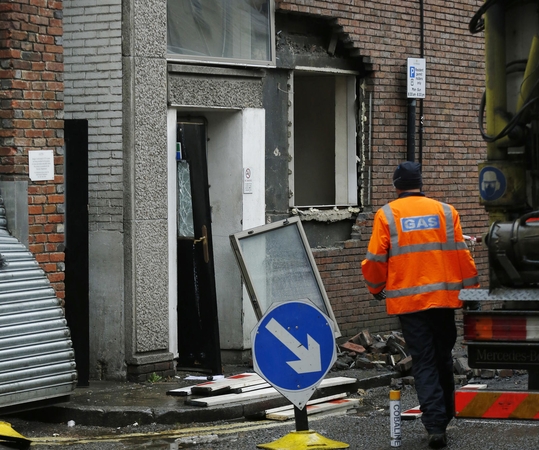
{"x":11,"y":438}
{"x":304,"y":440}
{"x":395,"y":417}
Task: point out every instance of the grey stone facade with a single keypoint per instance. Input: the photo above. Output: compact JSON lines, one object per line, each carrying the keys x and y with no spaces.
{"x":118,"y":78}
{"x":115,"y":74}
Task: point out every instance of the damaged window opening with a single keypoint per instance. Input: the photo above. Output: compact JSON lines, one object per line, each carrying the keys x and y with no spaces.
{"x":323,"y":144}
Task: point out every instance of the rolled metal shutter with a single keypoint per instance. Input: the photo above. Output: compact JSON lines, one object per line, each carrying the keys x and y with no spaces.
{"x":37,"y":361}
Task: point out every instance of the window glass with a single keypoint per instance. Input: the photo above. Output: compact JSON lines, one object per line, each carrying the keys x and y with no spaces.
{"x":280,"y":268}
{"x":185,"y":202}
{"x":277,"y":266}
{"x":206,"y":29}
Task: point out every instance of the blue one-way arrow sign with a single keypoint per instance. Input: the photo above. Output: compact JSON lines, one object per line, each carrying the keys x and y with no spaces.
{"x":294,"y":348}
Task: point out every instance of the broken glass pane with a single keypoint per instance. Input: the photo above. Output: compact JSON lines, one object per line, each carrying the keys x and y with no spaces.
{"x":185,"y":207}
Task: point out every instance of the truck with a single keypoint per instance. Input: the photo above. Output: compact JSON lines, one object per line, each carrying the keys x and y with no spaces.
{"x":501,"y":322}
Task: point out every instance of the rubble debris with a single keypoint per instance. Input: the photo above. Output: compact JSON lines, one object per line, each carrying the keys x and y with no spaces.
{"x":397,"y":345}
{"x":379,"y":347}
{"x":488,"y":373}
{"x":351,"y":346}
{"x":364,"y":351}
{"x":364,"y":338}
{"x":408,"y":381}
{"x":364,"y":363}
{"x":390,"y":352}
{"x":505,"y":373}
{"x":404,"y":365}
{"x":460,"y":365}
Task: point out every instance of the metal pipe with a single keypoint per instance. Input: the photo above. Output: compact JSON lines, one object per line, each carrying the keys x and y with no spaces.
{"x":496,"y":90}
{"x":410,"y":148}
{"x":422,"y":55}
{"x":531,"y":77}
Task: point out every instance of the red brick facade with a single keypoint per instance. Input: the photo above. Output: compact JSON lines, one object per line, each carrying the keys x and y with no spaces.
{"x":386,"y":33}
{"x":31,"y":113}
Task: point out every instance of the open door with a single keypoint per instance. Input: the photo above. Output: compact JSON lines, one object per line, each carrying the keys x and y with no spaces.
{"x":198,"y":328}
{"x":77,"y":282}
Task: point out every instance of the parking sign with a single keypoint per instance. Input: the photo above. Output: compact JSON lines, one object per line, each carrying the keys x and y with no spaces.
{"x":416,"y":78}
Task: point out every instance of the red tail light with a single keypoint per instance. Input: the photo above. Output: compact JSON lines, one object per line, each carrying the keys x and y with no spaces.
{"x":497,"y":326}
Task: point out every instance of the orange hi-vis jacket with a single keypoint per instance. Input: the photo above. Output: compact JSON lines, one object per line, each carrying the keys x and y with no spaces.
{"x":418,"y":255}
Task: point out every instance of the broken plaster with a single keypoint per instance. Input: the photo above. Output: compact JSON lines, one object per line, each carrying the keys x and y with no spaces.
{"x":326,"y":215}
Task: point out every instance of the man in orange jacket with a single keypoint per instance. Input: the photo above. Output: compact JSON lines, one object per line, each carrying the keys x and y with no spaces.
{"x":418,"y":262}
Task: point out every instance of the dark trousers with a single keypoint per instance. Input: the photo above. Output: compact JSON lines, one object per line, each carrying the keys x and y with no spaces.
{"x":430,"y":336}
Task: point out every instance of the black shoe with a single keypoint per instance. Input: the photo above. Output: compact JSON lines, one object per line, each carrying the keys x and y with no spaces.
{"x":437,"y":440}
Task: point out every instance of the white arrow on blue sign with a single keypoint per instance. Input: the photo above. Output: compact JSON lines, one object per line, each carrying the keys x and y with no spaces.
{"x":294,"y":348}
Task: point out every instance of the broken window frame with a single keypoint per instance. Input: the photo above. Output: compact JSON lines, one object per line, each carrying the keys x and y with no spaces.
{"x":345,"y":142}
{"x":252,"y":279}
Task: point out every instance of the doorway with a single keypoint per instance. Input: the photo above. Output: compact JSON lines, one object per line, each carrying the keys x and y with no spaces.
{"x":77,"y":301}
{"x":198,"y":328}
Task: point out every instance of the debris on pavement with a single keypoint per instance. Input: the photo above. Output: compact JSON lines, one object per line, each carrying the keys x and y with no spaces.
{"x":364,"y":351}
{"x":389,"y":352}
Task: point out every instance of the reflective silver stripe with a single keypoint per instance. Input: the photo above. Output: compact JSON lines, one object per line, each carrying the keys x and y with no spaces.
{"x":424,"y":289}
{"x":430,"y":246}
{"x":376,"y":258}
{"x":374,"y":286}
{"x":393,"y":234}
{"x":449,"y":231}
{"x":470,"y":281}
{"x":396,"y":249}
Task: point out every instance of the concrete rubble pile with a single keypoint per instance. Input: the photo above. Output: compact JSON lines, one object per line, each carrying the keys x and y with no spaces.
{"x":389,"y":352}
{"x":364,"y":351}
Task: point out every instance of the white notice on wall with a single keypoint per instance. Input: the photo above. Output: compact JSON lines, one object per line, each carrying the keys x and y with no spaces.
{"x":247,"y":181}
{"x":41,"y":165}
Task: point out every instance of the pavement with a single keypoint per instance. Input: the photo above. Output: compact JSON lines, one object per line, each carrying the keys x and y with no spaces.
{"x":120,"y":404}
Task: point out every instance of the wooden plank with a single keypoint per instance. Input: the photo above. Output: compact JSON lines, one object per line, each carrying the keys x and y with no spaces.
{"x":213,"y":387}
{"x":261,"y":394}
{"x":474,"y":386}
{"x":227,"y":384}
{"x":251,"y":388}
{"x":183,"y":392}
{"x":233,"y":398}
{"x":310,"y":402}
{"x":412,"y":413}
{"x":332,"y":405}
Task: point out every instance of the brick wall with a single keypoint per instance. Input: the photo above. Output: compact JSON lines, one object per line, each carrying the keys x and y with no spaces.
{"x":93,"y":91}
{"x":386,"y":33}
{"x":31,"y":113}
